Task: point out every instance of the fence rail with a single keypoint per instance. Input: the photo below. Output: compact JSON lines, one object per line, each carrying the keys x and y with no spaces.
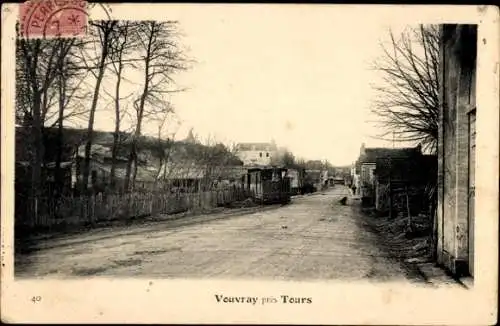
{"x":47,"y":212}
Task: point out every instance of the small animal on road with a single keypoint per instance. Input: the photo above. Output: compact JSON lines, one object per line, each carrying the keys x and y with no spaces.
{"x":343,"y":201}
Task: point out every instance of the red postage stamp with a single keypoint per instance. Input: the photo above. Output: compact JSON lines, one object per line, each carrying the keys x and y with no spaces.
{"x":53,"y":18}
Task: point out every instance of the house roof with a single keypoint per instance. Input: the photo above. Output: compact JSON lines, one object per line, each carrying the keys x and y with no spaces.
{"x":232,"y":172}
{"x":187,"y":170}
{"x":186,"y":173}
{"x":143,"y":173}
{"x":267,"y":168}
{"x":256,"y":146}
{"x":372,"y":154}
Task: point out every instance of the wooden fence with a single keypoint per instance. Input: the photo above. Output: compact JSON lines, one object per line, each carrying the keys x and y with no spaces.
{"x":404,"y":198}
{"x":47,"y":212}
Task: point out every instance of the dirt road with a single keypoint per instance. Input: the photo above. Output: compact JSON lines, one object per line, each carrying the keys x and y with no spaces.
{"x":315,"y":237}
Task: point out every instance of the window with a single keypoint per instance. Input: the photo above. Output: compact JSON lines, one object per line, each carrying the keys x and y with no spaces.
{"x":267,"y":154}
{"x":260,"y":154}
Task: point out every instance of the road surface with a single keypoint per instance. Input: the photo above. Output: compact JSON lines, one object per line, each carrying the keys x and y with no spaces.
{"x":313,"y":238}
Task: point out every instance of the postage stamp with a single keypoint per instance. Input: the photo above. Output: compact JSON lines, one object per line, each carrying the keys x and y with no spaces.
{"x":53,"y":18}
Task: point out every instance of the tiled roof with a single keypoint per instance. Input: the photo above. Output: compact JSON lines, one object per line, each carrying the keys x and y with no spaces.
{"x":143,"y":174}
{"x":256,"y":146}
{"x":372,"y":154}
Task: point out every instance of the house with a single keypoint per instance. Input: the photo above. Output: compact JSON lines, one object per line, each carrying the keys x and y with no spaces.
{"x":185,"y":176}
{"x":456,"y":149}
{"x":100,"y":166}
{"x":195,"y":176}
{"x":366,"y":165}
{"x":256,"y":154}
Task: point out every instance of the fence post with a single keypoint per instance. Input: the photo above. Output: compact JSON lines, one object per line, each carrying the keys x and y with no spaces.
{"x":151,"y":204}
{"x":408,"y":207}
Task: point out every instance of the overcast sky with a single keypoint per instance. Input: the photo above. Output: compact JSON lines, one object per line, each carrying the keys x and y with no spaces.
{"x":297,"y":74}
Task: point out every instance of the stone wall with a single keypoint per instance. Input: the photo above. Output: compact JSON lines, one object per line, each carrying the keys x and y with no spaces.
{"x":457,"y":99}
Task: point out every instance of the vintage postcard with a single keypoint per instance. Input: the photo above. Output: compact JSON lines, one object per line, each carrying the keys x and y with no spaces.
{"x":249,"y":163}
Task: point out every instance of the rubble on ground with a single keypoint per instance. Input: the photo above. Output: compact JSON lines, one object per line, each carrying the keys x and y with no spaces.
{"x":409,"y":241}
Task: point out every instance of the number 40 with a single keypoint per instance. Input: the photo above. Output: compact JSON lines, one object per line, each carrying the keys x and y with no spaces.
{"x":36,"y":299}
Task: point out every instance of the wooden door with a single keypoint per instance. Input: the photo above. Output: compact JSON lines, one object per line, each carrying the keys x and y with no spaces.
{"x":471,"y":190}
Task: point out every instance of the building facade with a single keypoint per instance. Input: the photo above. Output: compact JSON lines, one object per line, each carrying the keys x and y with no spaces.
{"x":256,"y":154}
{"x":456,"y":149}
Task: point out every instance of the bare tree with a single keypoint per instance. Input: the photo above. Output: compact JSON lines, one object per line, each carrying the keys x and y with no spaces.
{"x":164,"y":146}
{"x":69,"y":80}
{"x":104,"y":34}
{"x":31,"y":53}
{"x":37,"y":66}
{"x":217,"y":160}
{"x":162,"y":57}
{"x":407,"y":98}
{"x":125,"y":42}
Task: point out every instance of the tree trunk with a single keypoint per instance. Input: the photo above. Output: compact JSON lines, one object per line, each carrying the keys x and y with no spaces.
{"x":130,"y":174}
{"x":134,"y":173}
{"x":114,"y":154}
{"x":90,"y":129}
{"x":59,"y":182}
{"x":116,"y":134}
{"x":140,"y":114}
{"x":59,"y":177}
{"x":38,"y":153}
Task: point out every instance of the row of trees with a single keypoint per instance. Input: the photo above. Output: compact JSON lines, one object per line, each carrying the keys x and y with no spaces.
{"x":59,"y":80}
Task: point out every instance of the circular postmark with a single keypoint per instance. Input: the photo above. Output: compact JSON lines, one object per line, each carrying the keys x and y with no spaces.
{"x":53,"y":18}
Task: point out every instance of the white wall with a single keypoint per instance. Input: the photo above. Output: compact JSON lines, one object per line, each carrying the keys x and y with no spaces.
{"x":256,"y":157}
{"x":367,"y":173}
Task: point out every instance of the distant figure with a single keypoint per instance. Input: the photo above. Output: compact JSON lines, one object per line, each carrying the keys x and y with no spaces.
{"x":343,"y":201}
{"x":354,"y":189}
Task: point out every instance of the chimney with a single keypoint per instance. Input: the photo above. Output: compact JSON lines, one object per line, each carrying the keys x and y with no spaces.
{"x":362,"y":150}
